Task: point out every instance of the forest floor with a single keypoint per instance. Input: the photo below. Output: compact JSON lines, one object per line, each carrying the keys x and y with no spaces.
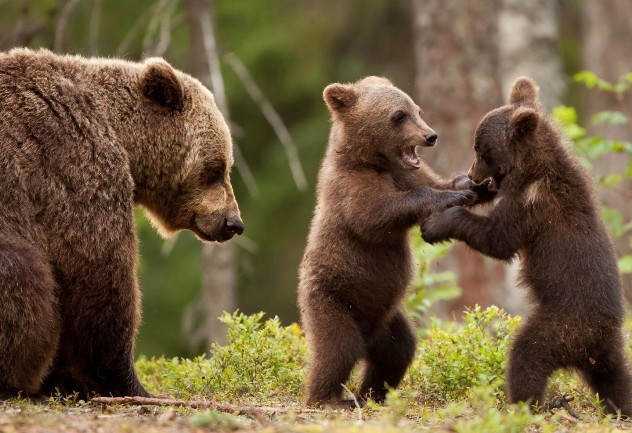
{"x":24,"y":416}
{"x":255,"y":383}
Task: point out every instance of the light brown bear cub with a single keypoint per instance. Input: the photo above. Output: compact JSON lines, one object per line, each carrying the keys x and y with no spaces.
{"x":372,"y":188}
{"x":81,"y":142}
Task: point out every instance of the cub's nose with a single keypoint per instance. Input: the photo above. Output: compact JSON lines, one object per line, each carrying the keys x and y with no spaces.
{"x":233,"y":225}
{"x":431,"y":138}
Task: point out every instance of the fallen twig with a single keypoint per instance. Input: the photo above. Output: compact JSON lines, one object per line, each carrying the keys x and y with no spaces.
{"x":355,"y":401}
{"x":257,"y":412}
{"x":562,"y":402}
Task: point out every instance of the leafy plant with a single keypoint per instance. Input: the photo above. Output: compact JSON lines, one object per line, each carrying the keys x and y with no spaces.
{"x":262,"y":361}
{"x":455,"y":358}
{"x":484,"y":415}
{"x":429,"y":287}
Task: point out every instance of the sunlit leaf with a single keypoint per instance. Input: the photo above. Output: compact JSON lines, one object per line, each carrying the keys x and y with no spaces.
{"x":610,"y":117}
{"x":614,"y":221}
{"x":610,"y":180}
{"x":588,"y":78}
{"x":625,"y":264}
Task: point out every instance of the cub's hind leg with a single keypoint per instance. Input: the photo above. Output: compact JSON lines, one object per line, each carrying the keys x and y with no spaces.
{"x":534,"y":355}
{"x":388,"y":356}
{"x":335,"y":345}
{"x":607,"y":374}
{"x":29,"y":317}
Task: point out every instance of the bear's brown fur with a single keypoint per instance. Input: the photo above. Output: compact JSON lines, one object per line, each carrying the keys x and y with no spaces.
{"x":372,"y":188}
{"x":546,"y":212}
{"x":82,"y":141}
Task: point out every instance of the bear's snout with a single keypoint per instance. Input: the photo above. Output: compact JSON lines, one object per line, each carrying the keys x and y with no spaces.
{"x":233,"y":225}
{"x":431,"y":138}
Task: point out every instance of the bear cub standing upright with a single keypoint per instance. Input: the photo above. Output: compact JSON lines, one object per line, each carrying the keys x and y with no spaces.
{"x":372,"y":188}
{"x":82,"y":141}
{"x":546,"y":212}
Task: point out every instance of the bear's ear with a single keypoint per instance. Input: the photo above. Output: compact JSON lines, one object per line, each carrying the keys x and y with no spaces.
{"x":524,"y":91}
{"x":524,"y":121}
{"x":159,"y":83}
{"x":340,"y":97}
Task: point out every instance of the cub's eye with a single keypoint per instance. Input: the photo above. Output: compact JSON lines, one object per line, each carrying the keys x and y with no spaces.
{"x":399,"y":116}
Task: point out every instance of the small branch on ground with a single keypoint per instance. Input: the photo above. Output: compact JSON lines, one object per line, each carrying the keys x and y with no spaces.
{"x":257,"y":412}
{"x":355,"y":401}
{"x":562,"y":402}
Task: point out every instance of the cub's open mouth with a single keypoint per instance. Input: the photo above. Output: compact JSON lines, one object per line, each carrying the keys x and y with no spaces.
{"x":410,"y":157}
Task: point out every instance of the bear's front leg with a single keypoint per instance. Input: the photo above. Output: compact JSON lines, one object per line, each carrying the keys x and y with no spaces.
{"x":491,"y":235}
{"x":439,"y":227}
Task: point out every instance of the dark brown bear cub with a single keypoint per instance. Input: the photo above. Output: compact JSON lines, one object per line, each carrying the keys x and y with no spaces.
{"x":372,"y":188}
{"x":546,"y":213}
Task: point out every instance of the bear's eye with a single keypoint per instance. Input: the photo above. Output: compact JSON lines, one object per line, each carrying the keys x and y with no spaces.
{"x":399,"y":116}
{"x":212,"y":176}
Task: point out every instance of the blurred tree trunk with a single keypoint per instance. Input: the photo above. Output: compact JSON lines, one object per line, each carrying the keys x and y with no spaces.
{"x":467,"y":56}
{"x":528,"y":35}
{"x":607,"y":51}
{"x":528,"y":44}
{"x":218,"y":262}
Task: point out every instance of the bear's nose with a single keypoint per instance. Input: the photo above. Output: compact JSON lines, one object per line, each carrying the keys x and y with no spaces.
{"x":234,"y":225}
{"x":431,"y":138}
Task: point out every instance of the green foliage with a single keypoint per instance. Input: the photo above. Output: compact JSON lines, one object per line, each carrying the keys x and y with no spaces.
{"x":592,"y":80}
{"x":484,"y":416}
{"x":455,"y":358}
{"x":429,"y":287}
{"x":591,"y":148}
{"x":262,"y":360}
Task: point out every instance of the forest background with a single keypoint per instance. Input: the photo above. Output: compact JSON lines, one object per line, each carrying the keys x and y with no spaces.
{"x":268,"y":62}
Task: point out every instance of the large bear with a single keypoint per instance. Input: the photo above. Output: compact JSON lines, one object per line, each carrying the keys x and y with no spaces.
{"x":372,"y":188}
{"x":81,"y":142}
{"x":547,"y":214}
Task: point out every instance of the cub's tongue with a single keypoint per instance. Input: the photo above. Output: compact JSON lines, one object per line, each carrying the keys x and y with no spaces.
{"x":409,"y":155}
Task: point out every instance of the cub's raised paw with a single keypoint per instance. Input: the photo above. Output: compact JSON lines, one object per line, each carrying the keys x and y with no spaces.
{"x":458,"y":198}
{"x":461,"y":181}
{"x":437,"y":228}
{"x":485,"y":191}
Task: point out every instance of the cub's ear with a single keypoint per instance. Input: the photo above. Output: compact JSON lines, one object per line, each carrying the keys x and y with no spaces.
{"x":524,"y":121}
{"x":524,"y":91}
{"x":340,"y":97}
{"x":159,"y":83}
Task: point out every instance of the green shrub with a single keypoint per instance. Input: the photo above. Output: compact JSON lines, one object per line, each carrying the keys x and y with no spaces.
{"x":262,"y":361}
{"x":458,"y":357}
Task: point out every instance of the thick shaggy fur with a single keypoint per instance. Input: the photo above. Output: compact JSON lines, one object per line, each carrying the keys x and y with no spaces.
{"x":547,"y":214}
{"x":372,"y":189}
{"x":81,"y":142}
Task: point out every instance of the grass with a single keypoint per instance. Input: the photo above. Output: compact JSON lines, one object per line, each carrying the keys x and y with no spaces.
{"x":454,"y":385}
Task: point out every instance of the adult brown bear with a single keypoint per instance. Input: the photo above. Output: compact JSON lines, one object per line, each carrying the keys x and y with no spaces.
{"x":82,"y":141}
